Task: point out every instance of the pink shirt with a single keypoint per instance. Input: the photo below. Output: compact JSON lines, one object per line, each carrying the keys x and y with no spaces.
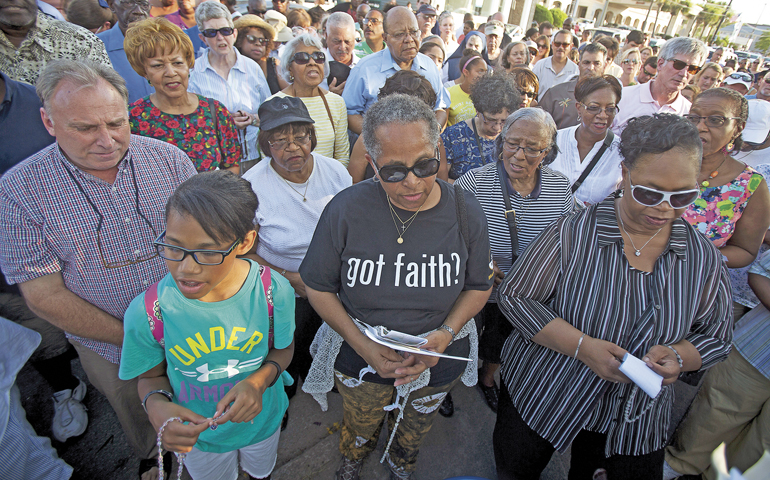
{"x":637,"y":101}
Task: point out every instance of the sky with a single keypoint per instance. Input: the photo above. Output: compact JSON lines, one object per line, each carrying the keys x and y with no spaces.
{"x":750,"y":9}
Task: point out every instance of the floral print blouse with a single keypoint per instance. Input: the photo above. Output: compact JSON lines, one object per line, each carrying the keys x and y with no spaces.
{"x":196,"y":134}
{"x":718,"y":209}
{"x":462,"y":150}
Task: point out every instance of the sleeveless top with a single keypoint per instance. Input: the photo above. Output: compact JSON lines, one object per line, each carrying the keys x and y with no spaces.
{"x":718,"y":209}
{"x":272,"y":76}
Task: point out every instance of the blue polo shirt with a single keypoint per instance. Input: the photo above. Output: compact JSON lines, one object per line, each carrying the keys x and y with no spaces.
{"x":136,"y":84}
{"x":369,"y":75}
{"x":21,"y":129}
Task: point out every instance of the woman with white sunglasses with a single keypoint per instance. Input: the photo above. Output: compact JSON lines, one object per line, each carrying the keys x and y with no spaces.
{"x":626,"y":276}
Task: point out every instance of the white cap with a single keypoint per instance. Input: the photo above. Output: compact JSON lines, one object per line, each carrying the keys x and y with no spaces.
{"x":758,"y":124}
{"x":739,"y":77}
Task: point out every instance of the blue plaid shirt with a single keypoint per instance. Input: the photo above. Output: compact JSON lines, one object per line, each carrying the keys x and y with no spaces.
{"x":47,"y":225}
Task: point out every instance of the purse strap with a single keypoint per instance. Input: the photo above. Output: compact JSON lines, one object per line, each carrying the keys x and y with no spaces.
{"x":607,"y":143}
{"x":155,"y":317}
{"x":510,"y":213}
{"x":328,"y":110}
{"x":462,"y":215}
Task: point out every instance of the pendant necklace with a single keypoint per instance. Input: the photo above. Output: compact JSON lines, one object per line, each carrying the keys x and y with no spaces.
{"x":303,"y":195}
{"x":713,"y":174}
{"x":637,"y":251}
{"x":404,"y":224}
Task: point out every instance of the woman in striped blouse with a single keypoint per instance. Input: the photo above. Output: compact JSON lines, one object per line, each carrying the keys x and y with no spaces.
{"x":626,"y":275}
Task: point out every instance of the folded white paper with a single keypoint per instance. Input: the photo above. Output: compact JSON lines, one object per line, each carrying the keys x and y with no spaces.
{"x":642,"y":375}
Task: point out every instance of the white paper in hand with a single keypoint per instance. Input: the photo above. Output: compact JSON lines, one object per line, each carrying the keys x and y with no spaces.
{"x":642,"y":375}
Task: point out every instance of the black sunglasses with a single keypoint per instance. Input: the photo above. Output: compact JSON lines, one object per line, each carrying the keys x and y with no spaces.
{"x":691,"y":69}
{"x":303,"y":58}
{"x":212,"y":32}
{"x":397,"y":173}
{"x":529,"y":94}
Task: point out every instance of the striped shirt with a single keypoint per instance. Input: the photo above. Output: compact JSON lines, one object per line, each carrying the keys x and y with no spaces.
{"x":245,"y":88}
{"x":47,"y":225}
{"x":550,"y":199}
{"x":332,"y":142}
{"x":686,"y":296}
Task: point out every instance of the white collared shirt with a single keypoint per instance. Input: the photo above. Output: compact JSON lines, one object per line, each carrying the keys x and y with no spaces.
{"x":548,"y":76}
{"x":637,"y":100}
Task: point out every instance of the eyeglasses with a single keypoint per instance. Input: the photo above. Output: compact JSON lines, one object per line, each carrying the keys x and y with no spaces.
{"x":256,"y":41}
{"x":630,"y":61}
{"x":529,"y":152}
{"x":493,"y":122}
{"x":303,"y":58}
{"x":124,"y":263}
{"x":529,"y":94}
{"x":741,"y":76}
{"x":212,"y":32}
{"x":201,"y":257}
{"x":542,"y":46}
{"x":562,"y":44}
{"x":398,"y":173}
{"x":649,"y":197}
{"x":595,"y":110}
{"x":649,"y":74}
{"x":711,"y":120}
{"x":299,"y":140}
{"x":402,"y":36}
{"x":372,"y":21}
{"x":678,"y":65}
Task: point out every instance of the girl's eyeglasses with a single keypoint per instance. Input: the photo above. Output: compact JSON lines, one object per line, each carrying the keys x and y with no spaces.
{"x":649,"y":197}
{"x":201,"y":257}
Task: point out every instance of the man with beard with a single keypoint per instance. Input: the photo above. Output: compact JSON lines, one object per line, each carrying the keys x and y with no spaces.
{"x":29,"y":39}
{"x":679,"y":60}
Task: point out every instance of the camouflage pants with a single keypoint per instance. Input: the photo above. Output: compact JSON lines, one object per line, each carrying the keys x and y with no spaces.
{"x":363,"y":416}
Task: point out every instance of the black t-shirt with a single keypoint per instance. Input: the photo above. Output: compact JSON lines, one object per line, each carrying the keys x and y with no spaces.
{"x":409,"y":287}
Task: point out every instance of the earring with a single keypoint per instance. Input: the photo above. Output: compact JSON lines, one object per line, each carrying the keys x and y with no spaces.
{"x":730,"y":146}
{"x":500,"y":157}
{"x":376,"y":179}
{"x":291,"y":78}
{"x":580,"y":118}
{"x":149,"y":82}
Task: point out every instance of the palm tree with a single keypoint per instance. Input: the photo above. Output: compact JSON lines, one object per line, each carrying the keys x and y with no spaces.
{"x":674,"y":8}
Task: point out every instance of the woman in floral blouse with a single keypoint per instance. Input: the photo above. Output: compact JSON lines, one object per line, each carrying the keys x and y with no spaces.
{"x":200,"y":126}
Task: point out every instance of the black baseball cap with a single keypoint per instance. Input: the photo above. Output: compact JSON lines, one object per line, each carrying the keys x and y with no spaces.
{"x":282,"y":110}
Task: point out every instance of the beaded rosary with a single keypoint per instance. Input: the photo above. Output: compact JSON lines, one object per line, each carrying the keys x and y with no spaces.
{"x":179,"y":456}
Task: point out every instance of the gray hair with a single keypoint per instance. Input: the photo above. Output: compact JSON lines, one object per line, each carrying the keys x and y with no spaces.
{"x":683,"y":46}
{"x":400,"y":109}
{"x":82,"y":73}
{"x":340,"y":20}
{"x":535,"y":115}
{"x":211,"y":9}
{"x":288,"y":51}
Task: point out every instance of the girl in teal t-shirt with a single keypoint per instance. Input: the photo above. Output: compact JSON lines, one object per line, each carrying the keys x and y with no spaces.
{"x":216,"y":364}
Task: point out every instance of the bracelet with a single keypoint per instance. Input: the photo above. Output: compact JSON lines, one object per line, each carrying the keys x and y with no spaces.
{"x":162,"y":392}
{"x":277,"y":367}
{"x":451,"y":331}
{"x":678,"y":357}
{"x":283,"y":273}
{"x":580,"y":342}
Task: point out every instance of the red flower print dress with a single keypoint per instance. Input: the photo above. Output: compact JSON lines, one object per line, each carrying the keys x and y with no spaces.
{"x":195,"y":134}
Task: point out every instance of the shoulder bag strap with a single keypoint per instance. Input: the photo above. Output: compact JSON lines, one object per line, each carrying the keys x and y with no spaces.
{"x":607,"y":142}
{"x":478,"y":139}
{"x":328,"y":110}
{"x":462,"y":215}
{"x":154,"y":317}
{"x":267,"y":285}
{"x":510,"y":213}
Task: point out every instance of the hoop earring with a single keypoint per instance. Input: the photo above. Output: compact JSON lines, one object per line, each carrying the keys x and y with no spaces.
{"x":376,"y":178}
{"x":500,"y":157}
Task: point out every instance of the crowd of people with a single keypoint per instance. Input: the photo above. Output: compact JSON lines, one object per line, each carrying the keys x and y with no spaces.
{"x":213,"y":209}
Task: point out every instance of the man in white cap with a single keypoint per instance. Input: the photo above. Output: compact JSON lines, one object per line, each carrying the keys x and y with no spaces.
{"x":763,"y":88}
{"x":494,"y":32}
{"x":756,"y":135}
{"x":738,"y":81}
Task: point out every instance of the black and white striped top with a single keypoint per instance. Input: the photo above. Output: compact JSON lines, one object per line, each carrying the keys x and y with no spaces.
{"x":576,"y":270}
{"x":550,"y":199}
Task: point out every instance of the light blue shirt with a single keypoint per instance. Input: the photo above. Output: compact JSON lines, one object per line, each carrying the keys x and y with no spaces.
{"x":369,"y":75}
{"x":245,"y":89}
{"x":138,"y":87}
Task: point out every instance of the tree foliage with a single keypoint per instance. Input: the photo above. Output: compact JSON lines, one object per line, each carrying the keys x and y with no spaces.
{"x":763,"y":44}
{"x":558,"y":17}
{"x":542,"y":14}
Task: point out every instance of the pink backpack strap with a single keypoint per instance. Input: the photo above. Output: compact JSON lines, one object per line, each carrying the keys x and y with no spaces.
{"x":154,"y":317}
{"x":267,"y":285}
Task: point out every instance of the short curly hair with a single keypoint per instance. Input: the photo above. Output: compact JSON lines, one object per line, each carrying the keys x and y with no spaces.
{"x":738,"y":103}
{"x":656,"y":134}
{"x":495,"y":93}
{"x":152,"y":37}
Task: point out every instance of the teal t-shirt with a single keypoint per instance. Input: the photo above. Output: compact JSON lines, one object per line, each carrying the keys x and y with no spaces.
{"x":212,"y":346}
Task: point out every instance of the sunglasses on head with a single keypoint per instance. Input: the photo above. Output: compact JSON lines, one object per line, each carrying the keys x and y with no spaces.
{"x":212,"y":32}
{"x":303,"y":58}
{"x":649,"y":197}
{"x":691,"y":69}
{"x":741,"y":76}
{"x":397,"y":173}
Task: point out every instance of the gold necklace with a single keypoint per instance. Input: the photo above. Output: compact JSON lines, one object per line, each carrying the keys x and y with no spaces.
{"x":303,"y":195}
{"x":404,"y":226}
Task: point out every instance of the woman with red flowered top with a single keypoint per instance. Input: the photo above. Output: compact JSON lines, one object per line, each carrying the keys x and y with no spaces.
{"x":201,"y":127}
